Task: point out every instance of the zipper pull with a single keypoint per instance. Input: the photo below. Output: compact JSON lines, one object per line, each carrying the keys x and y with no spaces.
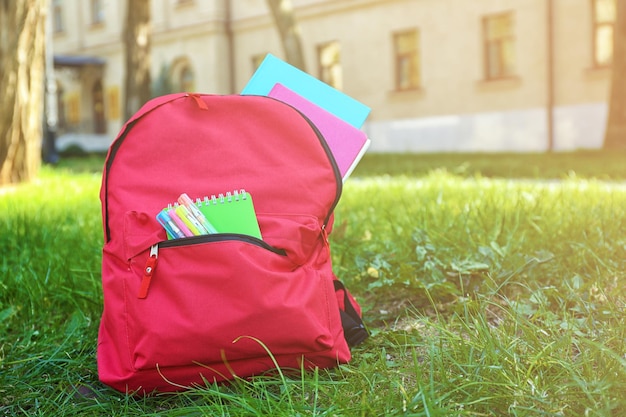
{"x":148,"y":271}
{"x":325,"y":236}
{"x":326,"y":253}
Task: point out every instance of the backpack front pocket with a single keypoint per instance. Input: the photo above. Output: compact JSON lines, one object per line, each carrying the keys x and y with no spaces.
{"x":220,"y":301}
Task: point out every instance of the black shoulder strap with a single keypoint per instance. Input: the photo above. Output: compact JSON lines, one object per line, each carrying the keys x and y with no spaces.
{"x":353,"y":328}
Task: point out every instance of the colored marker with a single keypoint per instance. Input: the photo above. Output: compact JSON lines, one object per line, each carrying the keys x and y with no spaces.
{"x":170,"y":227}
{"x":184,"y":200}
{"x":179,"y":222}
{"x":192,"y":223}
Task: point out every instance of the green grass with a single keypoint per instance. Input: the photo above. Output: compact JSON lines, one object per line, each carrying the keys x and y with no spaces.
{"x":602,"y":164}
{"x":485,"y":295}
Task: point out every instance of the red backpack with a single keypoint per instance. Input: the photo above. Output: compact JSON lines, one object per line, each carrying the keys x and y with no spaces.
{"x":209,"y":308}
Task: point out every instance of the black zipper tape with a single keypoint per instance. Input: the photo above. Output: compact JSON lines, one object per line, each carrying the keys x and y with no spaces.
{"x":320,"y":137}
{"x":220,"y":237}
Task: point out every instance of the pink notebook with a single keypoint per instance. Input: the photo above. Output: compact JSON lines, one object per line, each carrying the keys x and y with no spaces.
{"x":347,"y":143}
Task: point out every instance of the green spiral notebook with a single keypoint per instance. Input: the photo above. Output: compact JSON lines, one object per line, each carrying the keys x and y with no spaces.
{"x":232,"y":212}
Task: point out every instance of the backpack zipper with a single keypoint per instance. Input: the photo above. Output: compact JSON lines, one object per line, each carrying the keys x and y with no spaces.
{"x":333,"y":162}
{"x":151,"y":262}
{"x":331,"y":159}
{"x":221,"y":237}
{"x":197,"y":97}
{"x":115,"y":146}
{"x":148,"y":271}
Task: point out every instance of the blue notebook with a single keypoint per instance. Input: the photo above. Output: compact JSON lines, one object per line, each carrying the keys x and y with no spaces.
{"x":274,"y":70}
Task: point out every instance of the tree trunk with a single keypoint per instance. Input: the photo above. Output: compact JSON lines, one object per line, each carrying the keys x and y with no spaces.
{"x":22,"y":43}
{"x":137,"y":33}
{"x":282,"y":12}
{"x":615,"y":136}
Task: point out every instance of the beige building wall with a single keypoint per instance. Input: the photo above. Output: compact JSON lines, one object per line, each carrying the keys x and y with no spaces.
{"x":577,"y":81}
{"x":195,"y":32}
{"x":455,"y":109}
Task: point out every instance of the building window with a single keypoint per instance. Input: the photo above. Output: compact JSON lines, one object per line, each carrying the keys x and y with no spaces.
{"x":406,"y":45}
{"x":186,"y":79}
{"x":182,"y":76}
{"x":97,"y":12}
{"x":604,"y":15}
{"x":61,"y":120}
{"x":499,"y":44}
{"x":114,"y":111}
{"x":329,"y":61}
{"x":72,"y":105}
{"x":57,"y":16}
{"x":99,"y":122}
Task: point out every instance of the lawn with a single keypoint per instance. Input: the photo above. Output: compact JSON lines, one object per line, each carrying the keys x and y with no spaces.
{"x":491,"y":284}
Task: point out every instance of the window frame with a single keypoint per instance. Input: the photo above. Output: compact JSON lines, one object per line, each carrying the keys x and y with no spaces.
{"x":182,"y":75}
{"x":58,"y":24}
{"x":97,"y":12}
{"x":596,"y":27}
{"x":326,"y":72}
{"x":500,"y":44}
{"x":412,"y":57}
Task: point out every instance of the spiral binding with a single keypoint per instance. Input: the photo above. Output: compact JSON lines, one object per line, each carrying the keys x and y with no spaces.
{"x":222,"y":198}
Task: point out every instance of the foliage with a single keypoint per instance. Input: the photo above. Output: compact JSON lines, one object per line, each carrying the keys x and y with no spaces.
{"x":484,"y":296}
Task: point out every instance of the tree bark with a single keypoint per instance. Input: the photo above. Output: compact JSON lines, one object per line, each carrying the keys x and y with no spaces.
{"x":22,"y":47}
{"x":615,"y":135}
{"x":289,"y":31}
{"x":137,"y":34}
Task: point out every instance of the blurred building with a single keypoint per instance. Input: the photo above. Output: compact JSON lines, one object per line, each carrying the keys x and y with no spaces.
{"x":439,"y":75}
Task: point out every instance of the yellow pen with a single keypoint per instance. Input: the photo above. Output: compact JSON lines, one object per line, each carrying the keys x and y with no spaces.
{"x":191,"y":222}
{"x":184,"y":200}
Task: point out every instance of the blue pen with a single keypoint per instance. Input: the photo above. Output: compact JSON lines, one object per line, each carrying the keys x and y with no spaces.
{"x":168,"y":224}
